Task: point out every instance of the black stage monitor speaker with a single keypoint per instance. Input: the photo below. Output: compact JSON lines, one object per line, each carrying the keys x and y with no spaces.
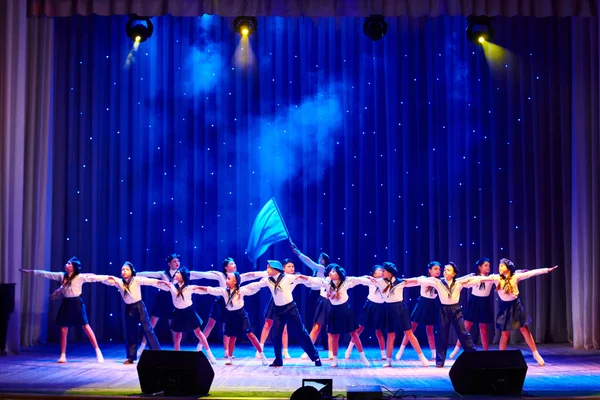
{"x":489,"y":373}
{"x":324,"y":386}
{"x":373,"y":392}
{"x":175,"y":372}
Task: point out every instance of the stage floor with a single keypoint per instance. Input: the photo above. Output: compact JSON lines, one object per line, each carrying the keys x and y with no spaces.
{"x":568,"y":373}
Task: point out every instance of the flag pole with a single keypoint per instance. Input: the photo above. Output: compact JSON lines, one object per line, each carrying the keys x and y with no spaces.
{"x":282,"y":220}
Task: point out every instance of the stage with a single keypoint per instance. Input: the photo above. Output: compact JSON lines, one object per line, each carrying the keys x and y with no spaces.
{"x":35,"y":374}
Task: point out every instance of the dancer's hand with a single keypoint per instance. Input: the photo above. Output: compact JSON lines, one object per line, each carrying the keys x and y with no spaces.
{"x":26,"y":271}
{"x":552,"y":269}
{"x":168,"y":284}
{"x":294,"y":248}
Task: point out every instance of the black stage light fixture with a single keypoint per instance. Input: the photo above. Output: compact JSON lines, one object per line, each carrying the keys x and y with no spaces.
{"x":375,"y":27}
{"x":245,"y":26}
{"x":139,"y":29}
{"x":479,"y":29}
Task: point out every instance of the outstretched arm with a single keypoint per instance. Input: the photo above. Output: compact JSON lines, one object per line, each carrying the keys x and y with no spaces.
{"x":307,"y":260}
{"x":57,"y":276}
{"x":534,"y":272}
{"x":151,"y":274}
{"x":214,"y":275}
{"x":250,"y":276}
{"x":310,"y":281}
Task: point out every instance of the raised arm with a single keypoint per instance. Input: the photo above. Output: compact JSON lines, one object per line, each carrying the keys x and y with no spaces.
{"x":534,"y":272}
{"x":57,"y":276}
{"x":352,"y":281}
{"x":307,"y":260}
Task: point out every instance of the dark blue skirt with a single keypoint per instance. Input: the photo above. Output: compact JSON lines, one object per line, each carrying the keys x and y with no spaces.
{"x":71,"y":312}
{"x":322,"y":311}
{"x":270,"y":310}
{"x":372,"y":315}
{"x":480,"y":310}
{"x":185,"y":319}
{"x":217,"y":311}
{"x":397,"y":319}
{"x":426,"y":311}
{"x":511,"y":315}
{"x":163,"y":305}
{"x":341,"y":319}
{"x":237,"y":323}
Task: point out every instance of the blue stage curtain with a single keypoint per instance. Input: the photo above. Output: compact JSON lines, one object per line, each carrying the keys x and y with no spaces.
{"x":409,"y":149}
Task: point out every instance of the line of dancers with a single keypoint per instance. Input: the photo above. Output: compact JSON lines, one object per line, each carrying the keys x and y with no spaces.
{"x":384,"y":310}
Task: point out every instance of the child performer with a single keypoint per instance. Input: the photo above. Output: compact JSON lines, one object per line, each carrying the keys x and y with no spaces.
{"x":217,"y":311}
{"x":426,"y":311}
{"x":184,"y":316}
{"x":72,"y":310}
{"x":372,"y":314}
{"x":449,"y":290}
{"x":130,"y":287}
{"x":323,"y":305}
{"x":236,"y":318}
{"x":286,"y":311}
{"x":480,"y":307}
{"x":163,"y":304}
{"x":341,"y":318}
{"x":288,"y":268}
{"x":397,"y":319}
{"x":511,"y":313}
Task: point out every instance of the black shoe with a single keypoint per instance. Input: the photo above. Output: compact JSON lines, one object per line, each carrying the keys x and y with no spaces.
{"x":318,"y":363}
{"x":128,"y":361}
{"x":276,"y":363}
{"x":439,"y":365}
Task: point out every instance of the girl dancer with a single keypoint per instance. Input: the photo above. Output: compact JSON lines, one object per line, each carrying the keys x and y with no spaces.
{"x":426,"y":311}
{"x":480,"y":307}
{"x":341,"y":318}
{"x":236,"y":318}
{"x":372,"y":315}
{"x":511,"y":313}
{"x":217,"y":311}
{"x":288,"y":268}
{"x":323,"y":305}
{"x":163,"y":305}
{"x":397,"y":319}
{"x":72,"y":310}
{"x":130,"y":287}
{"x":184,"y":316}
{"x":449,"y":290}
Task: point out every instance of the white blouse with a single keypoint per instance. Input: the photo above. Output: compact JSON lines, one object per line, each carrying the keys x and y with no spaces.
{"x":339,"y":296}
{"x":234,"y":300}
{"x":393,"y":290}
{"x":514,"y":280}
{"x":133,"y":293}
{"x":73,"y":289}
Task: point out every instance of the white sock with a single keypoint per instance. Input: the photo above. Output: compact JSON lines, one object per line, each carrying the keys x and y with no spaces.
{"x":400,"y":352}
{"x":388,"y":363}
{"x":433,"y":354}
{"x":363,"y":359}
{"x":538,"y":358}
{"x":423,"y":359}
{"x":383,"y":355}
{"x":454,"y":352}
{"x":334,"y":361}
{"x":63,"y":358}
{"x":99,"y":356}
{"x":330,"y":354}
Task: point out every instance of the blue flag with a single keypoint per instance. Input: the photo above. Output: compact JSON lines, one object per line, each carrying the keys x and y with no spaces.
{"x":268,"y":228}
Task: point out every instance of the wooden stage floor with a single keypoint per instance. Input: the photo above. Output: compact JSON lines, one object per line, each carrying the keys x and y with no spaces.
{"x":35,"y":374}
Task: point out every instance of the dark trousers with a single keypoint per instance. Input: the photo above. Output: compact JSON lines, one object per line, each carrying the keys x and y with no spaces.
{"x":136,"y":314}
{"x":451,"y":315}
{"x":288,"y":314}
